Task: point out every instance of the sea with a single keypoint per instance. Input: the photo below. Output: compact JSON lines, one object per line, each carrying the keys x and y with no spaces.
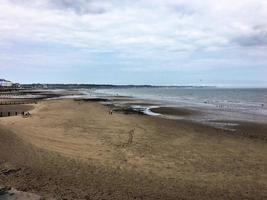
{"x":218,"y":106}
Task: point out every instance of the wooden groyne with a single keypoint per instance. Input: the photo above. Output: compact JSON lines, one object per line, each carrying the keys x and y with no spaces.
{"x":15,"y":113}
{"x":17,"y":102}
{"x":10,"y":113}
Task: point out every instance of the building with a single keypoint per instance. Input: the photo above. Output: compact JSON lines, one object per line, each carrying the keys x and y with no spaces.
{"x":16,"y":85}
{"x":5,"y":83}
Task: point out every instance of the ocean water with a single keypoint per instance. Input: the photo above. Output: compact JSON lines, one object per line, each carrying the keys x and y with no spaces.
{"x":237,"y":104}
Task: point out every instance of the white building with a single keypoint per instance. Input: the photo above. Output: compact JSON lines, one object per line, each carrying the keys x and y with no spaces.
{"x":5,"y":83}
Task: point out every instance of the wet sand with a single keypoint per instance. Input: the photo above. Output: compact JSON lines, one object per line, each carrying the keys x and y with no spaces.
{"x":76,"y":150}
{"x":174,"y":111}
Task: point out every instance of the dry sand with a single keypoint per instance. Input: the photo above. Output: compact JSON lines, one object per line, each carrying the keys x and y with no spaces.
{"x":76,"y":150}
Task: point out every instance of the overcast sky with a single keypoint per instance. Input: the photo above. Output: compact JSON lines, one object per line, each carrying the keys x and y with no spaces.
{"x":160,"y":42}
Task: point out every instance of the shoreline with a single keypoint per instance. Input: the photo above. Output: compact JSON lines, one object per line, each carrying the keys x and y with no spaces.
{"x":132,"y":105}
{"x":208,"y":109}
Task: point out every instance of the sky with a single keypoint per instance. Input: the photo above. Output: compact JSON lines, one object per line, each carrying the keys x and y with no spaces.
{"x":158,"y":42}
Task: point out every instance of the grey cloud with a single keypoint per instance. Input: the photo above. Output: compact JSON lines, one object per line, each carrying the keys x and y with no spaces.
{"x":81,"y":6}
{"x":78,"y":6}
{"x":258,"y":38}
{"x":182,"y":9}
{"x":252,"y":40}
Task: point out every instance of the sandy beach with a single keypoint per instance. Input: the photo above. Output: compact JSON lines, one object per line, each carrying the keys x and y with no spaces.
{"x":71,"y":149}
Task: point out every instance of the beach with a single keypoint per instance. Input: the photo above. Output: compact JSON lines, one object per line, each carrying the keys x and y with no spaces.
{"x":74,"y":149}
{"x":133,"y":100}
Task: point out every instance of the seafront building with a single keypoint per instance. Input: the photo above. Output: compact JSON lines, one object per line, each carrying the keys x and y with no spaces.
{"x":5,"y":83}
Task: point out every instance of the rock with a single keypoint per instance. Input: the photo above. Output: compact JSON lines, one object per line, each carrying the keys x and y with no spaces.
{"x":8,"y":172}
{"x":3,"y":191}
{"x":13,"y":194}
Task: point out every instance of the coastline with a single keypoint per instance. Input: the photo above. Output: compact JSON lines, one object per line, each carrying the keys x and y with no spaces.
{"x":77,"y":150}
{"x":218,"y":104}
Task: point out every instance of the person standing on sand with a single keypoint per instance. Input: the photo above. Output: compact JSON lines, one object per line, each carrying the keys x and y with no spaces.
{"x":130,"y":139}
